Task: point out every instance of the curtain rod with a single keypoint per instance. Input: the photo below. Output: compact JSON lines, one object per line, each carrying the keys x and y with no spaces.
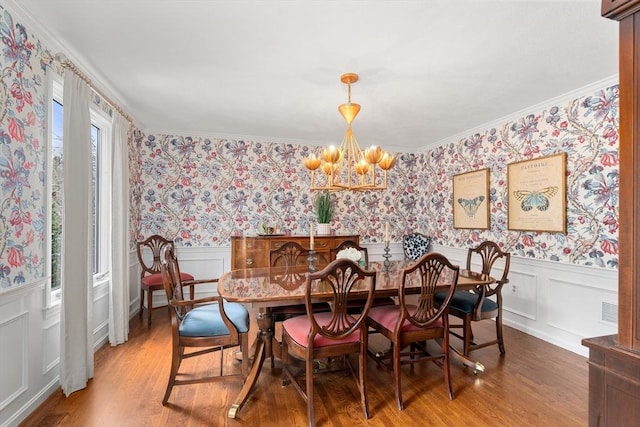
{"x":66,"y":63}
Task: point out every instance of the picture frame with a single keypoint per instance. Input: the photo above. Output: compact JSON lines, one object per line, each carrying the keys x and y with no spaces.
{"x":471,"y":199}
{"x":537,"y":199}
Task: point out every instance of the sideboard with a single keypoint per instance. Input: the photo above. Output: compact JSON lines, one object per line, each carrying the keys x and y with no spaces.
{"x":253,"y":251}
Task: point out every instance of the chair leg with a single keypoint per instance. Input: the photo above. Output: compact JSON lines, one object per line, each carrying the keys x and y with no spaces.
{"x":284,"y":357}
{"x":363,"y":377}
{"x":176,"y":357}
{"x":396,"y":376}
{"x":499,"y":333}
{"x":149,"y":305}
{"x":141,"y":300}
{"x":309,"y":384}
{"x":467,"y":335}
{"x":446,"y":365}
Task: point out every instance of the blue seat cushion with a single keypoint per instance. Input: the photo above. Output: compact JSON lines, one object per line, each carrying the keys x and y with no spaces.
{"x":465,"y":301}
{"x":415,"y":245}
{"x":205,"y":321}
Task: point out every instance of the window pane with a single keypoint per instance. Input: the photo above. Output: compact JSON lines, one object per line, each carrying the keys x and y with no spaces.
{"x":56,"y":196}
{"x":95,"y":190}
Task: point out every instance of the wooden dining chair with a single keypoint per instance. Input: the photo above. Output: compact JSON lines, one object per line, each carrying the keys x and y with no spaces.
{"x":483,"y":302}
{"x":293,"y":262}
{"x":355,"y":306}
{"x":415,"y":245}
{"x":409,"y":326}
{"x":205,"y":324}
{"x":329,"y":334}
{"x":150,"y":275}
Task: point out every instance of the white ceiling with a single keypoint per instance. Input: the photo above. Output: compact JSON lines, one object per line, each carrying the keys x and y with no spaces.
{"x":429,"y":70}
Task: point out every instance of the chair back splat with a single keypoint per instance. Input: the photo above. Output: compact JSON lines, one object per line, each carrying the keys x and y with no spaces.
{"x":329,"y":334}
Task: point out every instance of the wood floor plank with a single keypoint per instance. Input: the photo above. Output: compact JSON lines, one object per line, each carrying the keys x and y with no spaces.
{"x":534,"y":384}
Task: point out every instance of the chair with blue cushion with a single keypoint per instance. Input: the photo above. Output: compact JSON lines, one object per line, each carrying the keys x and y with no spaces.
{"x":210,"y":324}
{"x":329,"y":334}
{"x":477,"y":305}
{"x":415,"y":245}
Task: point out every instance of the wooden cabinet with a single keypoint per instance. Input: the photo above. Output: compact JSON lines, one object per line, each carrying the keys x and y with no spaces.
{"x":253,"y":251}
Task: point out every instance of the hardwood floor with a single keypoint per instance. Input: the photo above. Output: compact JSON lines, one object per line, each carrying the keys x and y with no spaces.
{"x":534,"y":384}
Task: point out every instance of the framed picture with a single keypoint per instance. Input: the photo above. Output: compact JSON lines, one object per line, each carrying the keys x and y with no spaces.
{"x":537,"y":194}
{"x":471,"y":199}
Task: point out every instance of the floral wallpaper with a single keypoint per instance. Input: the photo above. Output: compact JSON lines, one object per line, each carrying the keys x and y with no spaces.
{"x":23,"y":62}
{"x":201,"y":191}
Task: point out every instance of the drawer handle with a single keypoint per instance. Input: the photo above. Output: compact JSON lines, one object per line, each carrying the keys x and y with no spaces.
{"x":322,"y":244}
{"x":278,"y":245}
{"x":249,"y":261}
{"x":250,"y":245}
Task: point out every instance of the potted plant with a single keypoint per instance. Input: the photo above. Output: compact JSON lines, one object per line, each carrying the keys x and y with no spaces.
{"x":324,"y":211}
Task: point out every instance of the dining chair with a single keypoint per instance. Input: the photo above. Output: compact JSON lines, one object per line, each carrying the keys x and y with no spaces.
{"x":293,"y":261}
{"x":409,"y":326}
{"x":478,"y":304}
{"x":355,"y":306}
{"x":206,"y":324}
{"x":415,"y":245}
{"x":329,"y":334}
{"x":150,"y":275}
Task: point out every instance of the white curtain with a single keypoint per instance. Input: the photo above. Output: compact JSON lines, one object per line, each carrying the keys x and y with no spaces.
{"x":76,"y":349}
{"x":119,"y":295}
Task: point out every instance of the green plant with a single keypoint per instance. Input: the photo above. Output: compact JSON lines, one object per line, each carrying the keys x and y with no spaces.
{"x":324,"y":207}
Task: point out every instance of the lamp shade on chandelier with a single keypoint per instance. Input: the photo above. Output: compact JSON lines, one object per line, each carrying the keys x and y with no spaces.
{"x":348,"y":167}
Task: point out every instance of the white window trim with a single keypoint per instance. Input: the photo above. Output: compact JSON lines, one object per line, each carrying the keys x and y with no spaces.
{"x":102,"y":120}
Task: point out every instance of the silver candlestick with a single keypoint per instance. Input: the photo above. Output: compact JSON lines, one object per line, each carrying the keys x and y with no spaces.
{"x":386,"y":257}
{"x":312,"y":261}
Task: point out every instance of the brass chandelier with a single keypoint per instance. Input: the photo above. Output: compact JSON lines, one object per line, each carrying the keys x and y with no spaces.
{"x":348,"y":167}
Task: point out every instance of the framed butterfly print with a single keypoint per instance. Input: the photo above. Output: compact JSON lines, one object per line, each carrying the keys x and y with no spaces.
{"x":471,"y":199}
{"x":537,"y":198}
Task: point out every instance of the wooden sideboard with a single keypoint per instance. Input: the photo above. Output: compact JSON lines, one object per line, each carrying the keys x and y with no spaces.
{"x":253,"y":251}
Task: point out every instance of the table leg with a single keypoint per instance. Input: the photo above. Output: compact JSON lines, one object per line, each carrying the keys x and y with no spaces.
{"x":263,"y":348}
{"x":477,"y":366}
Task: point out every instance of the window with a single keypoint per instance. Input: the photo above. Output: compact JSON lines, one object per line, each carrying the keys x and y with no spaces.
{"x":100,"y":189}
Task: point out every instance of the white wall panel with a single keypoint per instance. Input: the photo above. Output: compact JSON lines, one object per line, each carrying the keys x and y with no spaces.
{"x":520,"y":295}
{"x":14,"y":334}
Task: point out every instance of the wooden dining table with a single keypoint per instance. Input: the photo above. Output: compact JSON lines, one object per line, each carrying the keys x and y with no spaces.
{"x":265,"y":288}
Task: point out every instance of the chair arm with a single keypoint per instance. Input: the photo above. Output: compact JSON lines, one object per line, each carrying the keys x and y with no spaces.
{"x":193,"y":282}
{"x":198,"y":281}
{"x":192,"y":302}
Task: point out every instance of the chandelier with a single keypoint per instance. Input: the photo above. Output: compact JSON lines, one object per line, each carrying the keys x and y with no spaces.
{"x":348,"y":167}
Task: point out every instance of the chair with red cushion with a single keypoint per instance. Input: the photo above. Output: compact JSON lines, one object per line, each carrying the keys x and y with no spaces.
{"x":329,"y":334}
{"x":410,"y":326}
{"x":148,"y":252}
{"x":292,"y":261}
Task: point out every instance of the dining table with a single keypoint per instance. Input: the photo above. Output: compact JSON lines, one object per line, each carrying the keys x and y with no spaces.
{"x":264,"y":288}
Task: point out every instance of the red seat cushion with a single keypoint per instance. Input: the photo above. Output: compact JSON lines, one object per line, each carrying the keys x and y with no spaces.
{"x":156,"y":279}
{"x":388,"y":315}
{"x":298,"y":329}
